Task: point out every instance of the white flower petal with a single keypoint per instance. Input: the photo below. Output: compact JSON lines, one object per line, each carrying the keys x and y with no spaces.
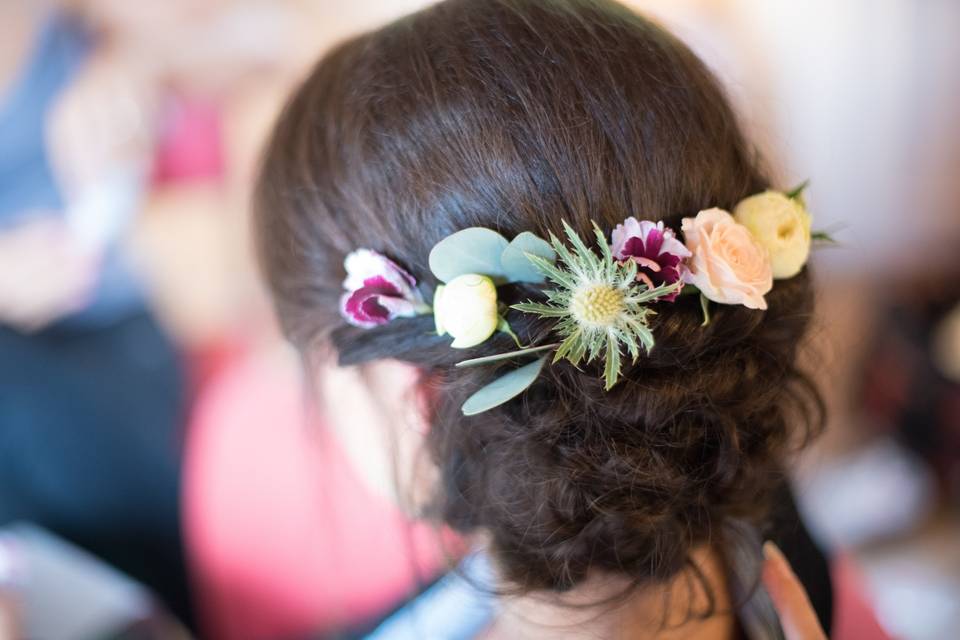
{"x":467,"y":309}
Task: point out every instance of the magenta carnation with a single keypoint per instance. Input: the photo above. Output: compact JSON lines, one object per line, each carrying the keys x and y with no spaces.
{"x":655,"y":249}
{"x":378,"y":290}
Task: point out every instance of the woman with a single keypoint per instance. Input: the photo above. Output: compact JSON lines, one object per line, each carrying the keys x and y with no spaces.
{"x":623,"y":491}
{"x":91,"y":389}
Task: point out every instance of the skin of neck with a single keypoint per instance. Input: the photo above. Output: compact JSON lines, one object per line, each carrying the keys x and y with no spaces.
{"x":374,"y":412}
{"x":668,"y":611}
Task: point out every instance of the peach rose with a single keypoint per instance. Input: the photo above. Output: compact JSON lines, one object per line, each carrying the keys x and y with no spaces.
{"x":728,"y":265}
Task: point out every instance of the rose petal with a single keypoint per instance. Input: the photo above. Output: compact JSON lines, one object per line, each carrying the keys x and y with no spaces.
{"x":728,"y":266}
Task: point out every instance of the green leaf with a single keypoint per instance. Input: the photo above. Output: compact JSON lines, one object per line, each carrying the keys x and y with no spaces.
{"x":475,"y":362}
{"x":646,"y":337}
{"x":585,"y":255}
{"x":504,"y":388}
{"x":628,"y":273}
{"x":550,"y":270}
{"x":822,"y":236}
{"x":705,"y":308}
{"x":611,"y":369}
{"x":658,"y":292}
{"x":602,"y":243}
{"x":595,"y":345}
{"x":558,"y":297}
{"x":572,"y":265}
{"x":640,"y":329}
{"x":542,"y":310}
{"x":571,"y":348}
{"x":797,"y":192}
{"x":629,"y":339}
{"x":515,"y":258}
{"x":473,"y":250}
{"x":578,"y":352}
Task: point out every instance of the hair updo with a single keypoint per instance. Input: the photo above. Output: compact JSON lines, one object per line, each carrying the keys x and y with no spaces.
{"x":513,"y":115}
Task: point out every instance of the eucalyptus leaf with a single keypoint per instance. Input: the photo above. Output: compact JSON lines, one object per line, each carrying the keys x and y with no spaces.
{"x":516,"y":266}
{"x":503,"y":389}
{"x":473,"y":250}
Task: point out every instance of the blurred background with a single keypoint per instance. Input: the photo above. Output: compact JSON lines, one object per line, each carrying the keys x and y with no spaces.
{"x":157,"y":470}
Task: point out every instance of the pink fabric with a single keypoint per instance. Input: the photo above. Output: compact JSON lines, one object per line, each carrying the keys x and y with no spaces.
{"x":190,"y":142}
{"x":284,"y":539}
{"x":853,"y":617}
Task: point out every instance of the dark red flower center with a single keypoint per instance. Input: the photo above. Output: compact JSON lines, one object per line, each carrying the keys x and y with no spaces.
{"x":364,"y":303}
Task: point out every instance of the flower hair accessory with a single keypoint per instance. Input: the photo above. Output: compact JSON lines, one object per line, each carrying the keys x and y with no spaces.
{"x":600,"y":301}
{"x":378,"y":290}
{"x":656,"y":250}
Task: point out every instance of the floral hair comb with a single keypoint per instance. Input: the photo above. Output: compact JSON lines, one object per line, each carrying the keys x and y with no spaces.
{"x":599,"y":300}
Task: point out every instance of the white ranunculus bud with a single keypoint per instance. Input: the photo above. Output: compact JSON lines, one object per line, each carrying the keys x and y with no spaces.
{"x":466,"y":308}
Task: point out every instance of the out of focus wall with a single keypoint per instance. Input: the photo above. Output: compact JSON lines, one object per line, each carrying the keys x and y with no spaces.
{"x":862,"y":97}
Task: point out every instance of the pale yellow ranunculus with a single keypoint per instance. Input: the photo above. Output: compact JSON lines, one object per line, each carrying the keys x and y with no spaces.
{"x":466,"y":308}
{"x":782,"y":226}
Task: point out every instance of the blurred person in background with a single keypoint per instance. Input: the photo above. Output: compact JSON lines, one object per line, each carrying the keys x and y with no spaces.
{"x":91,"y":390}
{"x":111,"y":112}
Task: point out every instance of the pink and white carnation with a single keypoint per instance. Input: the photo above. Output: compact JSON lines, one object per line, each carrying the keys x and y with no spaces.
{"x":655,"y":249}
{"x":378,"y":290}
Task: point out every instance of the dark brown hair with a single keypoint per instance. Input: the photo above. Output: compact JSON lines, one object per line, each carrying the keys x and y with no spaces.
{"x":513,"y":115}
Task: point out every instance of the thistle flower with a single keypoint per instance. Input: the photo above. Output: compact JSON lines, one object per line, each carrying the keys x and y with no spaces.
{"x":598,"y":302}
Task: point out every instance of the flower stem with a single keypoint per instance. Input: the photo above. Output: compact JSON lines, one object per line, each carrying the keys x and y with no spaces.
{"x":504,"y":326}
{"x":705,"y":307}
{"x":473,"y":362}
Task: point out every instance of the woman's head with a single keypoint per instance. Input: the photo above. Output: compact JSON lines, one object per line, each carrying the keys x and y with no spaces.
{"x":513,"y":115}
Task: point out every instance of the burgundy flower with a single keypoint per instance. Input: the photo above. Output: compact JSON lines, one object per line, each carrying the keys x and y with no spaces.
{"x":378,"y":290}
{"x":655,"y":249}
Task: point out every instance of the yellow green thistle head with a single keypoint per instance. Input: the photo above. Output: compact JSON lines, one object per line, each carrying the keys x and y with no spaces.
{"x":599,"y":305}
